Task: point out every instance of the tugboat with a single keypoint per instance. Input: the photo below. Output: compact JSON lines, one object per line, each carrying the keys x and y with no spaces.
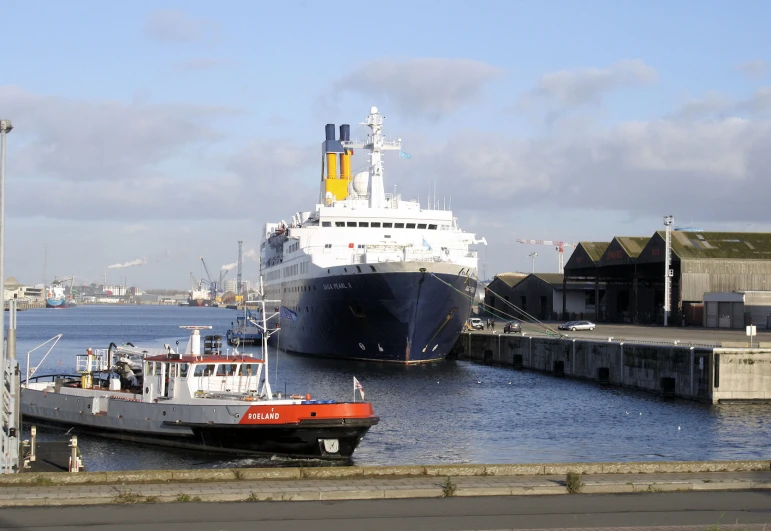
{"x":196,"y":399}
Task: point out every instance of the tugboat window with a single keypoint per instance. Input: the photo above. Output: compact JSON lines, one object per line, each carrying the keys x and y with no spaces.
{"x":363,"y":223}
{"x":410,"y":225}
{"x":375,"y":224}
{"x":387,"y":225}
{"x":432,"y":227}
{"x":326,"y":223}
{"x":351,"y":223}
{"x":339,"y":223}
{"x":421,"y":225}
{"x":398,"y":225}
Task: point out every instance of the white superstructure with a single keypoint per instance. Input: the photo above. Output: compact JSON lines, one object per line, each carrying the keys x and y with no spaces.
{"x":366,"y":226}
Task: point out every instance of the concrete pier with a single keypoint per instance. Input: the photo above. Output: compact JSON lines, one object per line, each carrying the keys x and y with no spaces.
{"x":384,"y":482}
{"x":707,"y":374}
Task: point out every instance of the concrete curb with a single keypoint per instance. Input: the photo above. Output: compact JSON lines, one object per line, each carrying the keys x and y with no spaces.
{"x":251,"y":474}
{"x":107,"y":498}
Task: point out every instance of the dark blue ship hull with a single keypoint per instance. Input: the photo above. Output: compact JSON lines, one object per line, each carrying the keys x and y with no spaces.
{"x":400,"y":317}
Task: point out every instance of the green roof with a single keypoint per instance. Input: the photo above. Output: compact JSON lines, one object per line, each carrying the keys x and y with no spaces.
{"x":632,"y":245}
{"x":595,"y":250}
{"x":511,"y":279}
{"x":550,"y":278}
{"x":726,"y":245}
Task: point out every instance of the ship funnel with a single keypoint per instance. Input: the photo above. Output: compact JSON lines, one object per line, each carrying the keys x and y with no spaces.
{"x":334,"y":186}
{"x":329,"y":149}
{"x":345,"y":156}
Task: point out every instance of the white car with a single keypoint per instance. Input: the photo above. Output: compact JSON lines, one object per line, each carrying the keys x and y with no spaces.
{"x":475,"y":323}
{"x":577,"y":325}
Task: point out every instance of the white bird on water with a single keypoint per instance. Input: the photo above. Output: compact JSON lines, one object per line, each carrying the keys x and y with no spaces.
{"x":678,"y":427}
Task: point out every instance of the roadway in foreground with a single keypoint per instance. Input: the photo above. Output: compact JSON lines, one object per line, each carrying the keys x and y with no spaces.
{"x":673,"y":511}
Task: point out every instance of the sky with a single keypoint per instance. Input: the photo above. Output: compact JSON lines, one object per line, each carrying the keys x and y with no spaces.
{"x":149,"y":134}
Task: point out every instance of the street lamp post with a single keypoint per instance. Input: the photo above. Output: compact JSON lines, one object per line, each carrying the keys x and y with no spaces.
{"x":668,"y":222}
{"x":7,"y":418}
{"x":533,"y":255}
{"x":5,"y":128}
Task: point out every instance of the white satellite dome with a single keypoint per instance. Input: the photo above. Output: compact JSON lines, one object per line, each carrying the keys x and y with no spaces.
{"x":360,"y":183}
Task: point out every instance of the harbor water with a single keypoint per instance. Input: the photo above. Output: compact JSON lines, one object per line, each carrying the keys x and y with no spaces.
{"x":442,"y":413}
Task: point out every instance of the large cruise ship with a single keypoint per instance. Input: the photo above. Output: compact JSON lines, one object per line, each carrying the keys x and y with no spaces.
{"x":368,"y":275}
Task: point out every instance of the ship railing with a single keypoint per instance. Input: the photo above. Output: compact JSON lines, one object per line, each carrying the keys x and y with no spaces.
{"x":226,"y":384}
{"x":94,"y":362}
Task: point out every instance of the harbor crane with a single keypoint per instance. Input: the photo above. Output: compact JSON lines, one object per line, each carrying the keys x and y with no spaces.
{"x":240,"y":262}
{"x":213,"y":287}
{"x":558,"y":245}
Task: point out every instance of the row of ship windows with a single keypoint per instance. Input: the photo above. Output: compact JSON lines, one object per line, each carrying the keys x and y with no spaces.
{"x":385,"y":225}
{"x":297,"y":269}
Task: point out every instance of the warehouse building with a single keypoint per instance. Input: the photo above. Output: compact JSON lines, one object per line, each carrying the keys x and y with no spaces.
{"x":539,"y":296}
{"x":738,"y":309}
{"x":632,"y":269}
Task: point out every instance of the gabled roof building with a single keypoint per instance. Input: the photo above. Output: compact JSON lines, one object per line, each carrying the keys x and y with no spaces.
{"x":702,"y":262}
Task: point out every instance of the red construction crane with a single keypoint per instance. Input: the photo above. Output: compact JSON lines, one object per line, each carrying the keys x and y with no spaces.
{"x":559,"y":246}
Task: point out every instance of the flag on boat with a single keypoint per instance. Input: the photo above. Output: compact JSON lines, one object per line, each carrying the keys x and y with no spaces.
{"x":404,"y":155}
{"x":426,"y":244}
{"x":286,"y":313}
{"x":357,"y":387}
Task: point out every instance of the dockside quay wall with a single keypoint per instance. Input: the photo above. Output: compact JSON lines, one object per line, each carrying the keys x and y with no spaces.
{"x":742,"y":374}
{"x":699,"y":373}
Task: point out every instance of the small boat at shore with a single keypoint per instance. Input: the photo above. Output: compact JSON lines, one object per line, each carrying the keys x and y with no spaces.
{"x":245,"y":331}
{"x":197,"y":399}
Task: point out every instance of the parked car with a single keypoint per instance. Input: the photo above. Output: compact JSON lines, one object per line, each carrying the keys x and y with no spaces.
{"x":577,"y":325}
{"x":475,"y":323}
{"x":512,"y":327}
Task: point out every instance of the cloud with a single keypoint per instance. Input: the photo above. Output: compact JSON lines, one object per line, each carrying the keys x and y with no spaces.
{"x":717,"y":106}
{"x":137,"y":162}
{"x":757,"y":104}
{"x":704,"y":170}
{"x":135,"y":228}
{"x":428,"y":88}
{"x":228,"y":267}
{"x":137,"y":262}
{"x":171,"y":25}
{"x":79,"y":140}
{"x":701,"y":108}
{"x":203,"y":64}
{"x":252,"y":255}
{"x":753,"y":69}
{"x":582,"y":86}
